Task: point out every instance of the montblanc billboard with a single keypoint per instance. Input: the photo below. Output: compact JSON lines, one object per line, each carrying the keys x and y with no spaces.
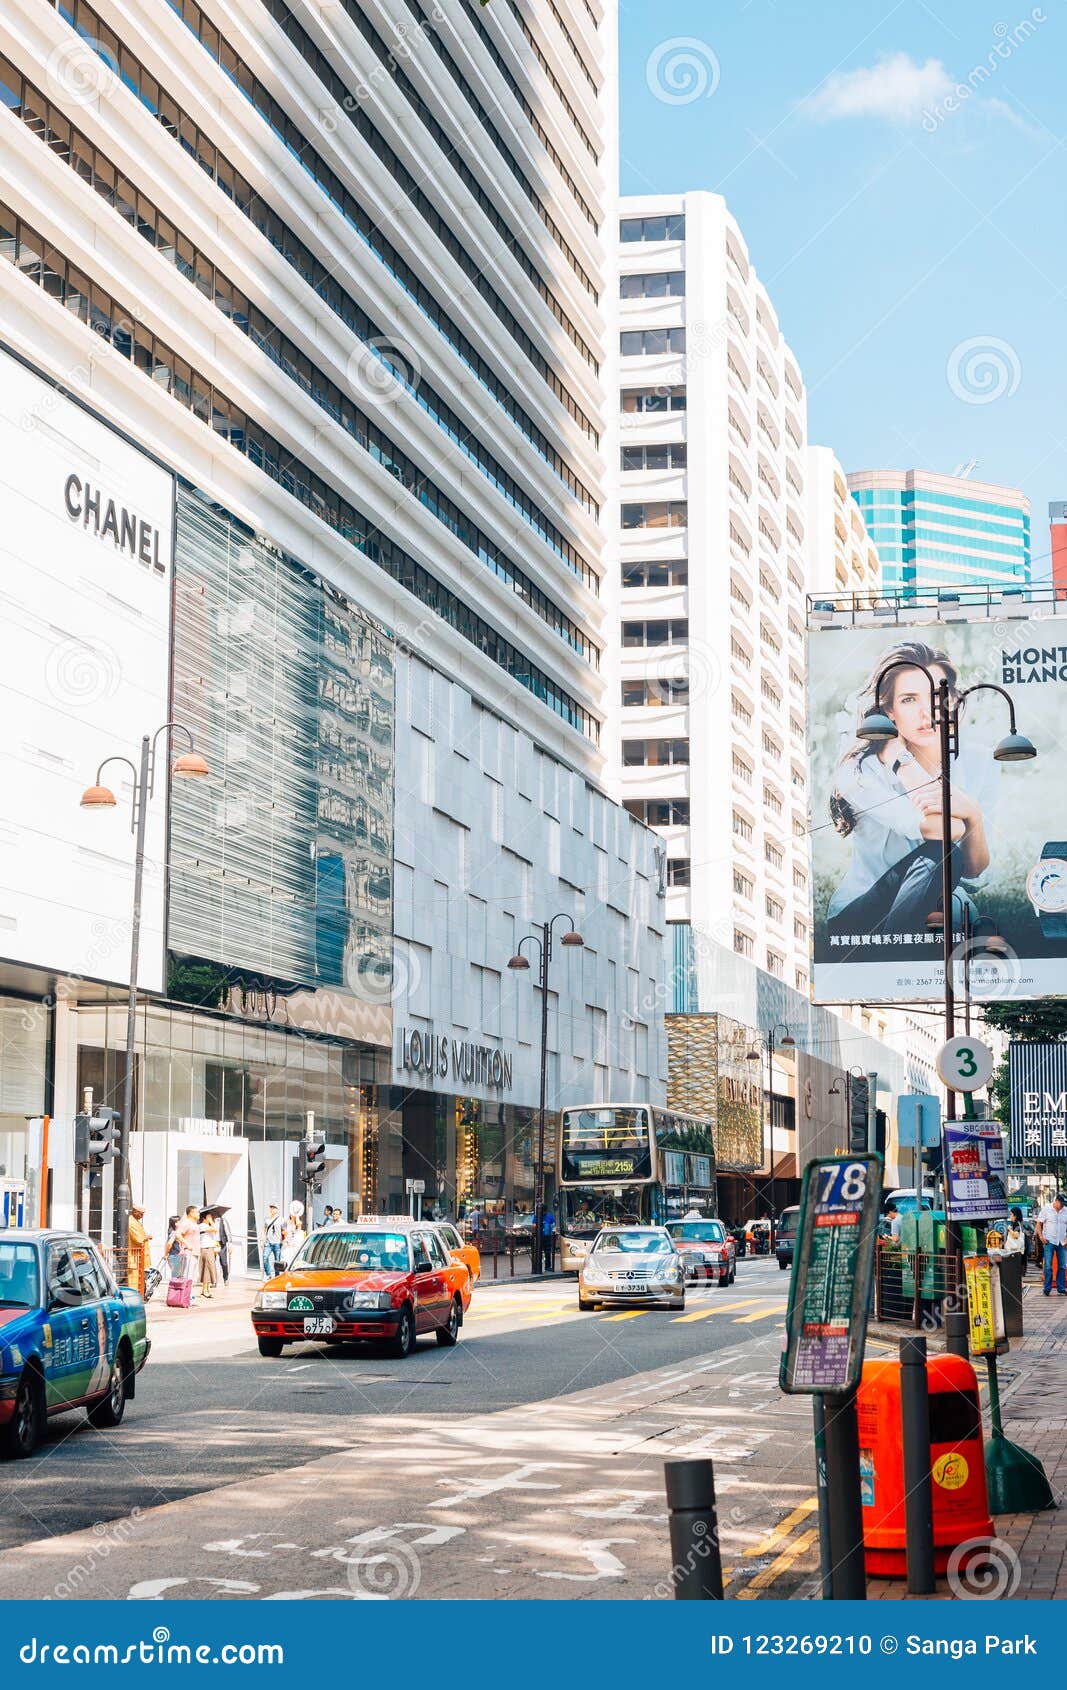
{"x":1038,"y":1080}
{"x":876,"y":810}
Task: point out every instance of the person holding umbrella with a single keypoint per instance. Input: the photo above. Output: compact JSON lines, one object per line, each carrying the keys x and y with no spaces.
{"x":224,"y":1234}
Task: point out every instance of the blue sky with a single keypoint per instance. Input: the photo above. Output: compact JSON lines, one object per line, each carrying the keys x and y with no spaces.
{"x":916,"y":254}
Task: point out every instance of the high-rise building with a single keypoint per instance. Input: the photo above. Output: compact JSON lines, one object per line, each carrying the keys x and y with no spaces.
{"x":1057,"y":518}
{"x":711,"y":580}
{"x":944,"y":531}
{"x":303,"y":323}
{"x":842,"y":556}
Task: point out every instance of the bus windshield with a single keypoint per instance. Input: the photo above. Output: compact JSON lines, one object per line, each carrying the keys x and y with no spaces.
{"x":608,"y":1143}
{"x":584,"y":1212}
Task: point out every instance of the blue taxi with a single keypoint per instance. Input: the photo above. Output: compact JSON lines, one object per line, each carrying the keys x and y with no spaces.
{"x":70,"y":1337}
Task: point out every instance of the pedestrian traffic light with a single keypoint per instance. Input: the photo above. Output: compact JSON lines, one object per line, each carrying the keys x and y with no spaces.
{"x":859,"y":1103}
{"x":880,"y":1124}
{"x":103,"y":1130}
{"x":312,"y":1161}
{"x":81,"y":1139}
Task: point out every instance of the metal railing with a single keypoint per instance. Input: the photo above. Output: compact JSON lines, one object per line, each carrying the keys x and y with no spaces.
{"x":911,"y":1286}
{"x":942,"y":604}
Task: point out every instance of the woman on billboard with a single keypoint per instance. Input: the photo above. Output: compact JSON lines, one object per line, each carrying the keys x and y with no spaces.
{"x":887,"y":800}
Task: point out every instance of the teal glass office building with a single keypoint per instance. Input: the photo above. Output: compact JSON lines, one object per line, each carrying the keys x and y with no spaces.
{"x":944,"y":532}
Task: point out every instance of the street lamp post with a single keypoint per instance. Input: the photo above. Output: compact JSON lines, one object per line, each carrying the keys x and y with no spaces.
{"x":878,"y":728}
{"x":542,"y":937}
{"x":980,"y":938}
{"x":190,"y":765}
{"x":786,"y":1042}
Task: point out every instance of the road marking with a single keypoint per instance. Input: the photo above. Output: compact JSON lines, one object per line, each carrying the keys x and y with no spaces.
{"x":718,"y":1308}
{"x":760,"y":1314}
{"x":628,"y":1314}
{"x":783,"y":1529}
{"x":780,"y":1564}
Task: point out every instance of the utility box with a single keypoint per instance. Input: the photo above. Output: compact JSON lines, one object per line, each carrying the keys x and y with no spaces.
{"x":957,"y":1463}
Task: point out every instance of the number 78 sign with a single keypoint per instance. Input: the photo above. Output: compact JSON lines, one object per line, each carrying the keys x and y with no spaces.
{"x":830,"y":1289}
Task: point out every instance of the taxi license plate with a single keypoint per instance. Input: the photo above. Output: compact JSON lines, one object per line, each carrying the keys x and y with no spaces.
{"x":318,"y":1324}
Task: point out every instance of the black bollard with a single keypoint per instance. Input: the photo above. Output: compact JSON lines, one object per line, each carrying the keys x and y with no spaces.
{"x":846,"y":1508}
{"x":696,"y":1564}
{"x":918,"y":1487}
{"x":956,"y":1330}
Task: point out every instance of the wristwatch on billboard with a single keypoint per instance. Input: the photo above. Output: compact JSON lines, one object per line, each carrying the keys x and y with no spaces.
{"x":1046,"y":888}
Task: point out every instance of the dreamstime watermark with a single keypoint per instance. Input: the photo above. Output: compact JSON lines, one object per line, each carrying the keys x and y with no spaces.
{"x":402,"y":49}
{"x":82,"y":71}
{"x":983,"y":369}
{"x":376,"y":977}
{"x":82,"y":672}
{"x":984,"y":1570}
{"x":108,"y":1535}
{"x":383,"y":370}
{"x":682,"y":70}
{"x":1007,"y":43}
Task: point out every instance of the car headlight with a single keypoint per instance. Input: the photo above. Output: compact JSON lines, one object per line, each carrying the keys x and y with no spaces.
{"x":594,"y":1275}
{"x":369,"y":1300}
{"x":271,"y":1300}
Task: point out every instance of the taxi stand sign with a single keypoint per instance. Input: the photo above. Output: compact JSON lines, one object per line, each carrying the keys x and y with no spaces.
{"x":830,"y":1288}
{"x":985,"y":1306}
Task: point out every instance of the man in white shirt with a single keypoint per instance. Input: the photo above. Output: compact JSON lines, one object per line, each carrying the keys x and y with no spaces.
{"x":1052,"y":1234}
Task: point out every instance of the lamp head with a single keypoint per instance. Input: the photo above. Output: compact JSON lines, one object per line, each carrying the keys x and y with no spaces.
{"x":876,"y":728}
{"x":97,"y":798}
{"x":753,"y":1056}
{"x":518,"y":962}
{"x":572,"y":938}
{"x":1015,"y":748}
{"x":192,"y":765}
{"x":787,"y":1042}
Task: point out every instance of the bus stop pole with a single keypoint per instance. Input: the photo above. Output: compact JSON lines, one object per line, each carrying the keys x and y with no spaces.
{"x":918,"y":1488}
{"x":823,"y":1494}
{"x":848,"y":1575}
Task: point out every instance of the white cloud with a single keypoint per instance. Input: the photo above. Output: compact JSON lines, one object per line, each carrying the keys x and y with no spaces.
{"x":896,"y":88}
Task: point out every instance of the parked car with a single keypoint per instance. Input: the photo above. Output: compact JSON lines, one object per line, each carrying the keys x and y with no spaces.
{"x":632,"y":1264}
{"x":785,"y":1236}
{"x":70,"y":1337}
{"x":707,"y":1250}
{"x":388,"y":1280}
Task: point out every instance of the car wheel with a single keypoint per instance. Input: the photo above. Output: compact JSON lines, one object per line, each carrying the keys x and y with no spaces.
{"x":25,"y":1429}
{"x":448,"y":1335}
{"x":404,"y":1342}
{"x":271,"y":1347}
{"x":110,"y":1409}
{"x":585,"y":1305}
{"x":782,"y":1265}
{"x":724,"y":1277}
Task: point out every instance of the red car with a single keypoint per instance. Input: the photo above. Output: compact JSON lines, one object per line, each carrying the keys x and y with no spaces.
{"x":706,"y":1248}
{"x":365,"y":1281}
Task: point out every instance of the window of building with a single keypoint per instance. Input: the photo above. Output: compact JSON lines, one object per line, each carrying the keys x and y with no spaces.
{"x":772,"y":800}
{"x":773,"y":854}
{"x":679,"y":871}
{"x":742,"y":827}
{"x":775,"y":908}
{"x":799,"y":830}
{"x":801,"y":980}
{"x":738,"y":652}
{"x":744,"y":944}
{"x":741,"y":710}
{"x":741,"y":769}
{"x":650,"y":343}
{"x":636,"y":694}
{"x":655,"y":284}
{"x":800,"y":931}
{"x":738,"y":596}
{"x":670,"y":228}
{"x":670,"y":455}
{"x":652,"y":401}
{"x":656,"y":633}
{"x":776,"y":964}
{"x":772,"y":750}
{"x":673,"y":572}
{"x":743,"y":886}
{"x":770,"y":692}
{"x":661,"y":514}
{"x":654,"y":753}
{"x":800,"y":880}
{"x":659,"y":812}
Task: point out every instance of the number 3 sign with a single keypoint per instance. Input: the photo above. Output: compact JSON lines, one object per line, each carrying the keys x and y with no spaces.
{"x":965,"y":1064}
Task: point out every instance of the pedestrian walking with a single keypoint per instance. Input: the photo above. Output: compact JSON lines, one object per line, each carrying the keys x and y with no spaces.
{"x":209,"y":1256}
{"x":548,"y":1241}
{"x":271,"y":1243}
{"x":188,"y":1231}
{"x":172,"y":1250}
{"x":225,"y":1240}
{"x":1014,"y":1235}
{"x":137,"y":1250}
{"x":1052,"y":1236}
{"x":293,"y":1234}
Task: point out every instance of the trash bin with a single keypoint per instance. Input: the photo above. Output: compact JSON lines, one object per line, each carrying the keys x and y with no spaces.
{"x":1012,"y":1270}
{"x":957,"y":1463}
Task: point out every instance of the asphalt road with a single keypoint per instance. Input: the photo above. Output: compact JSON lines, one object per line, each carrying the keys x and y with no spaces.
{"x":210,"y":1411}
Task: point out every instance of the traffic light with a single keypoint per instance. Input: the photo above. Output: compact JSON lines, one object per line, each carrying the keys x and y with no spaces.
{"x":81,"y":1139}
{"x":859,"y":1102}
{"x":94,"y":1141}
{"x":312,"y":1161}
{"x":880,"y":1124}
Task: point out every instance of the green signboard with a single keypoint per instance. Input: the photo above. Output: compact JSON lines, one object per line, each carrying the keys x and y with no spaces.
{"x":830,"y":1289}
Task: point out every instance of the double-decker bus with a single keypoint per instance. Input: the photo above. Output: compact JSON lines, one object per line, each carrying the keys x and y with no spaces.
{"x":635,"y":1163}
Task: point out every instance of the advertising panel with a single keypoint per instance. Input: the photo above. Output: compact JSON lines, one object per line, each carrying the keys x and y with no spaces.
{"x":975,"y":1173}
{"x":876,"y":810}
{"x":84,"y":673}
{"x":1038,"y":1080}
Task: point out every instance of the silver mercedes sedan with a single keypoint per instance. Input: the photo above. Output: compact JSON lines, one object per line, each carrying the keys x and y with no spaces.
{"x":632,"y":1264}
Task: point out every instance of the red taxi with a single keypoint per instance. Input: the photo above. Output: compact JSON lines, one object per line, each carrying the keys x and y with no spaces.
{"x":706,"y":1248}
{"x":384,"y":1281}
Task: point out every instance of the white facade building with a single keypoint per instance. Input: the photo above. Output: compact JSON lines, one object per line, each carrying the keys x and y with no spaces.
{"x":336,"y":283}
{"x":711,"y":579}
{"x":842,"y":556}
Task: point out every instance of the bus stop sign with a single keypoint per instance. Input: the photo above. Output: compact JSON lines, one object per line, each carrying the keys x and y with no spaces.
{"x":830,"y":1289}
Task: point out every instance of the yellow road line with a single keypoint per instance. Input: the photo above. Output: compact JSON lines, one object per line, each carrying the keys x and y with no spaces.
{"x":717,"y":1308}
{"x":629,"y":1314}
{"x":779,"y":1565}
{"x":783,"y":1529}
{"x":760,"y":1314}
